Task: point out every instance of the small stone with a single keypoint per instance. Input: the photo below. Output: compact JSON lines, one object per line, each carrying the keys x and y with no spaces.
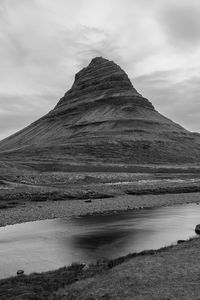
{"x":88,"y":201}
{"x":20,"y":272}
{"x":180,"y":241}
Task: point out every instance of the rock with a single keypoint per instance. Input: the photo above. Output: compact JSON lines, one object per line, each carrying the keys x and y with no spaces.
{"x":105,"y":296}
{"x":197,"y":229}
{"x":88,"y":201}
{"x":180,"y":241}
{"x":20,"y":272}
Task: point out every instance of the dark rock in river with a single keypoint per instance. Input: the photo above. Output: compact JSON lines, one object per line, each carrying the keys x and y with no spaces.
{"x":103,"y":119}
{"x":197,"y":229}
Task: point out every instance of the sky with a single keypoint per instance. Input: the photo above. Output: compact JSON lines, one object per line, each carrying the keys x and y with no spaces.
{"x":43,"y":43}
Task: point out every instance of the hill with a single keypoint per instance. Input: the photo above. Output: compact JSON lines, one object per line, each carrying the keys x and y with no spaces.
{"x":103,"y":119}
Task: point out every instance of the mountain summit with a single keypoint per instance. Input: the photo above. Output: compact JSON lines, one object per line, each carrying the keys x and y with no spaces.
{"x":103,"y":119}
{"x":102,"y":80}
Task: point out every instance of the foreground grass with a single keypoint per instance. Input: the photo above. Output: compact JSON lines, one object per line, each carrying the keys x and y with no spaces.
{"x":38,"y":286}
{"x":167,"y":273}
{"x":170,"y":274}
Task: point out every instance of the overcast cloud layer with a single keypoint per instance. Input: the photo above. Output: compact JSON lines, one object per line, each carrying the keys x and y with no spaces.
{"x":43,"y":43}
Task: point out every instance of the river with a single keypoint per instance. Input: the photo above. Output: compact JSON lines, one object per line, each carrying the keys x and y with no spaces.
{"x":50,"y":244}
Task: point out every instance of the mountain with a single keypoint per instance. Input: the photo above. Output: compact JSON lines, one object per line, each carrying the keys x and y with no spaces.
{"x":103,"y":119}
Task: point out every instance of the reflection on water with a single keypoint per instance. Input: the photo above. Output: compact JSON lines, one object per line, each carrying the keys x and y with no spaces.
{"x":44,"y":245}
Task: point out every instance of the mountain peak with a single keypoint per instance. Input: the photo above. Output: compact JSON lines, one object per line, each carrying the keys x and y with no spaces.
{"x":103,"y":74}
{"x":98,"y":59}
{"x":101,"y":77}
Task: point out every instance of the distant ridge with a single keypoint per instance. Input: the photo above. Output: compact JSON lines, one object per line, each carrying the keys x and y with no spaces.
{"x":103,"y":119}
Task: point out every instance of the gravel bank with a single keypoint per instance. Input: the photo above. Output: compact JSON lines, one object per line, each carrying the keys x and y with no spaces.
{"x":33,"y":211}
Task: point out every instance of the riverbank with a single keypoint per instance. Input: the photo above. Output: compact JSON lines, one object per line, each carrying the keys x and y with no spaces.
{"x":33,"y":211}
{"x":167,"y":273}
{"x":32,"y":195}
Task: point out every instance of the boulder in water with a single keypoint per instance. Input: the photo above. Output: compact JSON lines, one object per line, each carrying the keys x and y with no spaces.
{"x":197,"y":229}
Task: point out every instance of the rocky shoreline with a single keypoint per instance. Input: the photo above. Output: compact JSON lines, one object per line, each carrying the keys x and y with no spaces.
{"x":32,"y":211}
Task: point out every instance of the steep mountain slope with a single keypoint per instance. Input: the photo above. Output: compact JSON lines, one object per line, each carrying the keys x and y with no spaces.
{"x":102,"y":118}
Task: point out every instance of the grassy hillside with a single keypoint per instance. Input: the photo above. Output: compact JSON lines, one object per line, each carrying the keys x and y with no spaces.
{"x":103,"y":119}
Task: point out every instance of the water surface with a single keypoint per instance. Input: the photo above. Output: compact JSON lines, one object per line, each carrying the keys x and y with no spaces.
{"x":50,"y":244}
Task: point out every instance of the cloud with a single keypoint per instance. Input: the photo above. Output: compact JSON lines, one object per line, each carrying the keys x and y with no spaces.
{"x":43,"y":43}
{"x":17,"y":112}
{"x":181,"y":23}
{"x":176,"y":98}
